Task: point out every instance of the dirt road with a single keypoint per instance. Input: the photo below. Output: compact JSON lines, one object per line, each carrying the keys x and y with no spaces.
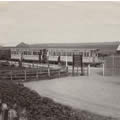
{"x":96,"y":94}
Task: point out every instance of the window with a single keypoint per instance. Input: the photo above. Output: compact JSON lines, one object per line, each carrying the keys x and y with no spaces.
{"x":35,"y":53}
{"x":25,"y":52}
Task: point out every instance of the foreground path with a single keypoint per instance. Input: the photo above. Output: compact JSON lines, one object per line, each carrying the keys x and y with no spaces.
{"x":95,"y":94}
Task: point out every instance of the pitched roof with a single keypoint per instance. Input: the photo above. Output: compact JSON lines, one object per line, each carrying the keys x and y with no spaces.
{"x":100,"y":45}
{"x":22,"y":45}
{"x":104,"y":47}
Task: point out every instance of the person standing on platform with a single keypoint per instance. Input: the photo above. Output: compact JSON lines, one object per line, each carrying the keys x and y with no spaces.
{"x":59,"y":60}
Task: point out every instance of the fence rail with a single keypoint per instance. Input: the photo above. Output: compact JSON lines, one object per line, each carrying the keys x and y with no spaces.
{"x":31,"y":74}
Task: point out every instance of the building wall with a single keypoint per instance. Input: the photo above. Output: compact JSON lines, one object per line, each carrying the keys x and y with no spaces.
{"x":89,"y":55}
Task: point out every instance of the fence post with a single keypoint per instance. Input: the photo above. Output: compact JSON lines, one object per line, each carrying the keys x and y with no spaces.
{"x":25,"y":75}
{"x":88,"y":71}
{"x":48,"y":72}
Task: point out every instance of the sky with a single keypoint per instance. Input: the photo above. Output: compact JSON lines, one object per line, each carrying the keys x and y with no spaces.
{"x":59,"y":22}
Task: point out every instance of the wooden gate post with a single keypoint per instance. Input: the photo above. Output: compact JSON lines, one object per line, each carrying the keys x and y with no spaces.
{"x":48,"y":72}
{"x":88,"y":71}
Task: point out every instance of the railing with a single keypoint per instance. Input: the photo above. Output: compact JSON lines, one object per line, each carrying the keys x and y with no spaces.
{"x":31,"y":74}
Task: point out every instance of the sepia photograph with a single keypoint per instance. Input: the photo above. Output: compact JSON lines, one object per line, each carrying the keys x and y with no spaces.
{"x":59,"y":60}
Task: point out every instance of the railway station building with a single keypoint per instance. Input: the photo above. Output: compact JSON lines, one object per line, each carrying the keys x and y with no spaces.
{"x":92,"y":52}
